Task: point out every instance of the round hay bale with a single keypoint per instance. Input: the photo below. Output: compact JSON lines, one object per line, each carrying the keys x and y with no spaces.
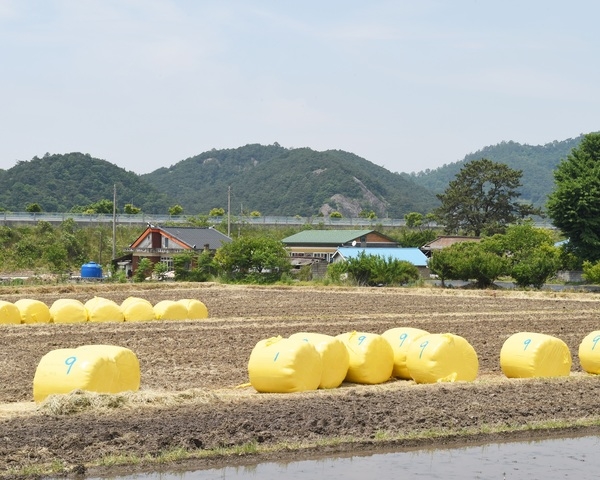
{"x":101,"y":309}
{"x":33,"y":311}
{"x":195,"y":308}
{"x":589,"y":353}
{"x":9,"y":313}
{"x":371,"y":359}
{"x":68,"y":310}
{"x":284,"y":365}
{"x":170,"y":310}
{"x":528,"y":355}
{"x":442,"y":357}
{"x":334,"y":356}
{"x":400,"y":339}
{"x":137,"y":310}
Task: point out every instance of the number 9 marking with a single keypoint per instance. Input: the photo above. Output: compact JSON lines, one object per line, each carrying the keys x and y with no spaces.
{"x":361,"y":339}
{"x":403,"y":337}
{"x":596,"y":338}
{"x":70,"y":362}
{"x":526,"y":343}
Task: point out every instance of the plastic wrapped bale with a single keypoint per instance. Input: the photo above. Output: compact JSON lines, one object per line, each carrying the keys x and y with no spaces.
{"x":371,"y":359}
{"x":137,"y":310}
{"x":529,"y":355}
{"x":170,"y":310}
{"x":68,"y":310}
{"x":400,"y":339}
{"x":33,"y":311}
{"x":442,"y":357}
{"x":334,"y":356}
{"x":93,"y":368}
{"x":284,"y":365}
{"x":9,"y":313}
{"x":589,"y":353}
{"x":195,"y":308}
{"x":101,"y":309}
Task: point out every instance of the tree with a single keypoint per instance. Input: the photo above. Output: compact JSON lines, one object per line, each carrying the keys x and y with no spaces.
{"x":216,"y":212}
{"x":574,"y":205}
{"x":131,"y":210}
{"x":175,"y":210}
{"x":335,"y":214}
{"x":482,"y":199}
{"x":33,"y":208}
{"x":413,"y":219}
{"x":259,"y":259}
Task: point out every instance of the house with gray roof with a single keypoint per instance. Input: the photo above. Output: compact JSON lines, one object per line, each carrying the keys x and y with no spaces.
{"x":161,"y":244}
{"x":323,"y":244}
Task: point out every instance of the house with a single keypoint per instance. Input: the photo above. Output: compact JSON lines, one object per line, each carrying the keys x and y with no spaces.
{"x":445,"y":241}
{"x":411,"y":255}
{"x":323,"y":244}
{"x":161,"y":244}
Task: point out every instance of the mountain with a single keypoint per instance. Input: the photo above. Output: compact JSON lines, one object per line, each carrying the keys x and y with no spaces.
{"x":278,"y":181}
{"x":59,"y":182}
{"x":536,"y":162}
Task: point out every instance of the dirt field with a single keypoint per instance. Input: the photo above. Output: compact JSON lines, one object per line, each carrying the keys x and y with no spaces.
{"x":208,"y":360}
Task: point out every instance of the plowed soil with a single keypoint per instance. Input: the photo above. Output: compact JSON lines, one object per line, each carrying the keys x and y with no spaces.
{"x":210,"y":357}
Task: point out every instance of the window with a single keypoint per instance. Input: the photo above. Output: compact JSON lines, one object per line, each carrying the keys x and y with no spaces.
{"x":168,"y":261}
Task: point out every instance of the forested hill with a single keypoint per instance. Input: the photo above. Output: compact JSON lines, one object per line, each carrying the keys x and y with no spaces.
{"x":57,"y":183}
{"x":278,"y":181}
{"x":536,"y":162}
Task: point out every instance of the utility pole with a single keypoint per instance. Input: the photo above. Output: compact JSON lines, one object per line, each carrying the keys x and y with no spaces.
{"x":229,"y":211}
{"x":114,"y":231}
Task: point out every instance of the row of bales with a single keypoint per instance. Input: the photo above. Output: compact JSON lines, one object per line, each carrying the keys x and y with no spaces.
{"x":99,"y":309}
{"x":308,"y":361}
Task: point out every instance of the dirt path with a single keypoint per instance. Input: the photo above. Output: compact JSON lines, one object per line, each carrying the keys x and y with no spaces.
{"x":209,"y":359}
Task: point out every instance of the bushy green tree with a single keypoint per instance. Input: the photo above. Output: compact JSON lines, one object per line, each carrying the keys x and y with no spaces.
{"x":176,"y":210}
{"x":591,"y":271}
{"x":33,"y":208}
{"x":255,"y":259}
{"x":130,"y":209}
{"x":377,"y":270}
{"x":194,"y":267}
{"x":413,"y":219}
{"x":216,"y":212}
{"x":143,"y":270}
{"x":482,"y":199}
{"x":574,"y":205}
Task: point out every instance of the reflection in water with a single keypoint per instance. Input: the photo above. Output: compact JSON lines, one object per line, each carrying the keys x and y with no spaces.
{"x":546,"y":459}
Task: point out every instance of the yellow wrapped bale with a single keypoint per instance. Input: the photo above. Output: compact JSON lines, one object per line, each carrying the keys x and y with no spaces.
{"x":68,"y":310}
{"x":334,"y":357}
{"x":170,"y":310}
{"x":284,"y":365}
{"x":33,"y":311}
{"x":442,"y":357}
{"x":9,"y":313}
{"x":400,"y":339}
{"x":371,"y":359}
{"x":93,"y":368}
{"x":101,"y":309}
{"x":195,"y":308}
{"x":589,"y":353}
{"x":137,"y":310}
{"x":529,"y":355}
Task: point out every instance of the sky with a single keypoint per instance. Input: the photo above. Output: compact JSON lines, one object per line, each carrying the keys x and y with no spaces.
{"x":408,"y":85}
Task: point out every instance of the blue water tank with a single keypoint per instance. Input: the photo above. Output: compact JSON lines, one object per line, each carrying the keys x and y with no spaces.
{"x":91,"y":270}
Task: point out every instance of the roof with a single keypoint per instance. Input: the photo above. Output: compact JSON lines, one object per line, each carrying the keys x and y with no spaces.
{"x":193,"y":237}
{"x":446,"y":241}
{"x":412,"y":255}
{"x":330,"y":237}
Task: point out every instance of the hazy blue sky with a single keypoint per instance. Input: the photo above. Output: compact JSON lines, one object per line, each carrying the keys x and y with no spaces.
{"x":408,"y":85}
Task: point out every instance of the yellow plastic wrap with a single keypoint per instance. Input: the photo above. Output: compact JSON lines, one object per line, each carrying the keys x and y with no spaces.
{"x":170,"y":310}
{"x":371,"y":359}
{"x":528,"y":355}
{"x":94,"y":368}
{"x":195,"y":308}
{"x":137,"y":310}
{"x":442,"y":357}
{"x":101,"y":309}
{"x":68,"y":310}
{"x":9,"y":313}
{"x":589,"y":353}
{"x":33,"y":311}
{"x":334,"y":356}
{"x":284,"y":365}
{"x":400,"y":339}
